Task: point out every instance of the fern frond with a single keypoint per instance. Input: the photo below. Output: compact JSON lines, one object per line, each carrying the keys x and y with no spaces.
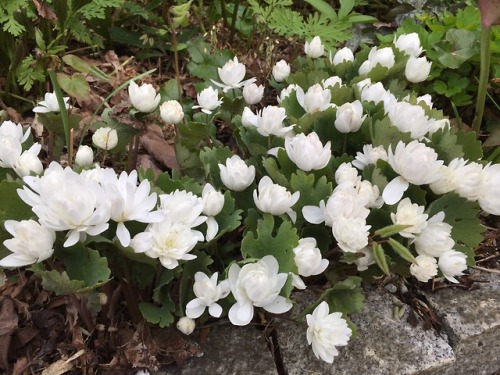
{"x":29,"y":72}
{"x":97,"y":8}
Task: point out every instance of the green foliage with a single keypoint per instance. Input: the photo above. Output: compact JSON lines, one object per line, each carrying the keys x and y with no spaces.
{"x":13,"y":207}
{"x":330,"y":25}
{"x":264,"y":242}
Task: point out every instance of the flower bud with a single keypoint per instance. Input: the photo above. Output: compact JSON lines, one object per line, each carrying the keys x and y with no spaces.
{"x":315,"y":48}
{"x":308,"y":257}
{"x":208,"y":100}
{"x":452,"y":263}
{"x":281,"y":71}
{"x":50,"y":104}
{"x":331,"y":82}
{"x":105,"y":138}
{"x":349,"y":117}
{"x":144,"y":98}
{"x":236,"y":175}
{"x":409,"y":44}
{"x":29,"y":162}
{"x":274,"y":199}
{"x":213,"y":200}
{"x":186,"y":325}
{"x":342,"y":55}
{"x":248,"y":118}
{"x":253,"y":93}
{"x":84,"y":156}
{"x":171,"y":112}
{"x":307,"y":152}
{"x":417,"y":69}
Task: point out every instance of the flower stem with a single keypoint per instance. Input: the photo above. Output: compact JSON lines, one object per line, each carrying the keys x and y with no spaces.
{"x":483,"y":78}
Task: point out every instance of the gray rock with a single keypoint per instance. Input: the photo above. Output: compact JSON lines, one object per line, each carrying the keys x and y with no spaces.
{"x":230,"y":350}
{"x":472,"y":321}
{"x":384,"y":345}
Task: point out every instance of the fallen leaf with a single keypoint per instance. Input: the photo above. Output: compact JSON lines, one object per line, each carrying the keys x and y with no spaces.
{"x":162,"y":151}
{"x":44,"y":10}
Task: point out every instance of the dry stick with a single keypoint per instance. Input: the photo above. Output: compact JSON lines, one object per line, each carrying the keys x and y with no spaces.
{"x":486,"y":269}
{"x":70,"y":146}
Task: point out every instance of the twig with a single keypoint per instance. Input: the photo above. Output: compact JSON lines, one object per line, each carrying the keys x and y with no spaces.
{"x":486,"y":269}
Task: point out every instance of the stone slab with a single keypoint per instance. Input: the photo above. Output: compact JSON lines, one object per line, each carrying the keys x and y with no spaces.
{"x":471,"y":319}
{"x":384,"y":345}
{"x":230,"y":350}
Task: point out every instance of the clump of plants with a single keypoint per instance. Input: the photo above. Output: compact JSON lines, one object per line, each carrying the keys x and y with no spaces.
{"x":351,"y":176}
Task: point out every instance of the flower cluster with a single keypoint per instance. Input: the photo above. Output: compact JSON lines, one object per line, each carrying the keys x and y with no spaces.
{"x":339,"y":173}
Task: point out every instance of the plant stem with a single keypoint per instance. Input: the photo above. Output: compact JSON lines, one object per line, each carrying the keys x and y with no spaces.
{"x":176,"y":57}
{"x":483,"y":78}
{"x":233,"y":22}
{"x":62,"y":108}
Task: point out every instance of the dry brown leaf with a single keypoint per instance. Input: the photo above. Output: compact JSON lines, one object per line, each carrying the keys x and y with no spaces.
{"x":44,"y":10}
{"x":158,"y":148}
{"x":63,"y":365}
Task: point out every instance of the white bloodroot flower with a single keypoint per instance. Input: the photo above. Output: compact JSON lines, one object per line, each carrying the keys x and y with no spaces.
{"x":269,"y":121}
{"x":409,"y":44}
{"x":331,"y":82}
{"x":418,"y":127}
{"x":315,"y":48}
{"x":275,"y":199}
{"x":417,"y":69}
{"x":308,"y":257}
{"x":213,"y":202}
{"x":281,"y":71}
{"x":452,"y":263}
{"x":29,"y":162}
{"x":253,"y":93}
{"x":349,"y":117}
{"x":208,"y":100}
{"x":435,"y":237}
{"x":64,"y":200}
{"x":316,"y":99}
{"x":171,"y":112}
{"x":10,"y":129}
{"x":144,"y":98}
{"x":84,"y":156}
{"x":236,"y":175}
{"x":342,"y":55}
{"x":362,"y":263}
{"x":346,"y":173}
{"x":232,"y":74}
{"x":186,"y":325}
{"x":129,"y":202}
{"x":285,"y":93}
{"x":248,"y":118}
{"x":207,"y":294}
{"x":412,"y":214}
{"x":50,"y":104}
{"x":351,"y":234}
{"x":168,"y":241}
{"x":489,"y":190}
{"x":307,"y":152}
{"x":105,"y":138}
{"x":415,"y":163}
{"x":424,"y":268}
{"x":32,"y":243}
{"x":10,"y":151}
{"x":384,"y":57}
{"x":256,"y":284}
{"x":369,"y":156}
{"x":326,"y":331}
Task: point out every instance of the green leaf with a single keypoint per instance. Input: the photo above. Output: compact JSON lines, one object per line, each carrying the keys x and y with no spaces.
{"x":84,"y":264}
{"x":169,"y":90}
{"x":263,"y":242}
{"x":13,"y":207}
{"x":471,"y":146}
{"x":345,"y":8}
{"x":76,"y":85}
{"x":346,"y":296}
{"x":158,"y":315}
{"x":273,"y":171}
{"x":444,"y":142}
{"x":311,"y":191}
{"x":380,"y":258}
{"x":84,"y":67}
{"x":59,"y":283}
{"x":211,"y":158}
{"x":401,"y":250}
{"x":324,"y":7}
{"x":229,"y":218}
{"x":462,"y":216}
